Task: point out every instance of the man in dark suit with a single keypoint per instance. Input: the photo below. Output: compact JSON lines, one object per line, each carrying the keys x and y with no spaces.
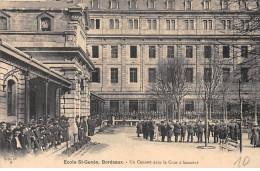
{"x":216,"y":132}
{"x":16,"y":142}
{"x":200,"y":131}
{"x":2,"y":135}
{"x":177,"y":130}
{"x":183,"y":131}
{"x":8,"y":148}
{"x":163,"y":130}
{"x":151,"y":129}
{"x":144,"y":129}
{"x":169,"y":130}
{"x":190,"y":131}
{"x":139,"y":128}
{"x":23,"y":139}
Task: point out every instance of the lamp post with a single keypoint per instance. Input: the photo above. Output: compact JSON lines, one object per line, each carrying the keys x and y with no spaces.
{"x":241,"y":112}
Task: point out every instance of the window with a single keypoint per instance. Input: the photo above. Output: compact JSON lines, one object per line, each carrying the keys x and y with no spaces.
{"x":207,"y":74}
{"x":189,"y":53}
{"x":170,"y":51}
{"x":133,"y":106}
{"x":207,"y":51}
{"x":152,"y":52}
{"x":206,"y":4}
{"x":242,"y":4}
{"x":244,"y":24}
{"x":114,"y":75}
{"x":45,"y":24}
{"x":133,"y":51}
{"x":133,"y":4}
{"x":229,"y":26}
{"x":132,"y":24}
{"x":224,"y":5}
{"x":95,"y":4}
{"x":149,"y":24}
{"x":111,"y":21}
{"x":152,"y":106}
{"x":170,"y":24}
{"x":114,"y":24}
{"x":152,"y":75}
{"x":3,"y":23}
{"x":114,"y":106}
{"x":188,"y":5}
{"x":151,"y":4}
{"x":226,"y":74}
{"x":225,"y":51}
{"x":223,"y":24}
{"x":114,"y":4}
{"x":244,"y":74}
{"x":114,"y":51}
{"x":207,"y":24}
{"x":244,"y":51}
{"x":189,"y":75}
{"x":133,"y":75}
{"x":189,"y":105}
{"x":154,"y":24}
{"x":94,"y":24}
{"x":135,"y":24}
{"x":11,"y":98}
{"x":95,"y":53}
{"x":170,"y":4}
{"x":96,"y":75}
{"x":189,"y":24}
{"x":186,"y":25}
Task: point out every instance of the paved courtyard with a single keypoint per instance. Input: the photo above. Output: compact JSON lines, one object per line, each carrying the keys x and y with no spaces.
{"x":120,"y":147}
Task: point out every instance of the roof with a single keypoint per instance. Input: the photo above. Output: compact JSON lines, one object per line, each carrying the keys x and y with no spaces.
{"x":19,"y":55}
{"x":37,"y":5}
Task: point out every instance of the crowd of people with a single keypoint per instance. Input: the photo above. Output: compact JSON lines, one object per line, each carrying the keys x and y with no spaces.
{"x":216,"y":115}
{"x":34,"y":137}
{"x":218,"y":131}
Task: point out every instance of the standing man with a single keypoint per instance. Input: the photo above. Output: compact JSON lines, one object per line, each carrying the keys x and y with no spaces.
{"x":139,"y":128}
{"x":177,"y":130}
{"x":216,"y":132}
{"x":2,"y":135}
{"x":163,"y":130}
{"x":169,"y":128}
{"x":190,"y":132}
{"x":200,"y":131}
{"x":183,"y":131}
{"x":151,"y":129}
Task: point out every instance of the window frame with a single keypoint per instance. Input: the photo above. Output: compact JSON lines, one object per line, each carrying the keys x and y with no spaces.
{"x":151,"y":75}
{"x":133,"y":75}
{"x":97,"y":51}
{"x":114,"y":75}
{"x":152,"y":52}
{"x":114,"y":51}
{"x":187,"y":48}
{"x":96,"y":70}
{"x":189,"y":78}
{"x":133,"y":48}
{"x":170,"y":52}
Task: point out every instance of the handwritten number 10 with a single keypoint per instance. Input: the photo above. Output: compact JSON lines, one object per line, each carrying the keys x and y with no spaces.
{"x":245,"y":161}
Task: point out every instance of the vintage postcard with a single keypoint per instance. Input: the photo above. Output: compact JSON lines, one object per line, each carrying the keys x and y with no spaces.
{"x":129,"y":83}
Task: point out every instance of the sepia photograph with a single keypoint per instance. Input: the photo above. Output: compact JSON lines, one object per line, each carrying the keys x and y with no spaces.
{"x":129,"y":83}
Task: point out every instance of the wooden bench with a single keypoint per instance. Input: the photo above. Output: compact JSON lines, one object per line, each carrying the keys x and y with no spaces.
{"x":230,"y":145}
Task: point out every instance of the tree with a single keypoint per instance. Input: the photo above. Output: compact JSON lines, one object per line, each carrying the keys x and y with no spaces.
{"x":170,"y":85}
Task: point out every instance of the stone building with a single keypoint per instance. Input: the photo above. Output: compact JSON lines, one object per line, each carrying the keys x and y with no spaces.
{"x":127,"y":39}
{"x":49,"y":70}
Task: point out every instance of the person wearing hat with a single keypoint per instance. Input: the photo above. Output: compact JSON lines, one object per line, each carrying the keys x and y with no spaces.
{"x":139,"y":128}
{"x":23,"y":139}
{"x":191,"y":131}
{"x":8,"y":148}
{"x":200,"y":131}
{"x":169,"y":129}
{"x":216,"y":132}
{"x":163,"y":130}
{"x":16,"y":142}
{"x":2,"y":135}
{"x":232,"y":130}
{"x":177,"y":130}
{"x":255,"y":135}
{"x":183,"y":131}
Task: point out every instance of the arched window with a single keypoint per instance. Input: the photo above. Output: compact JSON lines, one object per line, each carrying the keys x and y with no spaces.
{"x":11,"y":98}
{"x":3,"y":23}
{"x":45,"y":24}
